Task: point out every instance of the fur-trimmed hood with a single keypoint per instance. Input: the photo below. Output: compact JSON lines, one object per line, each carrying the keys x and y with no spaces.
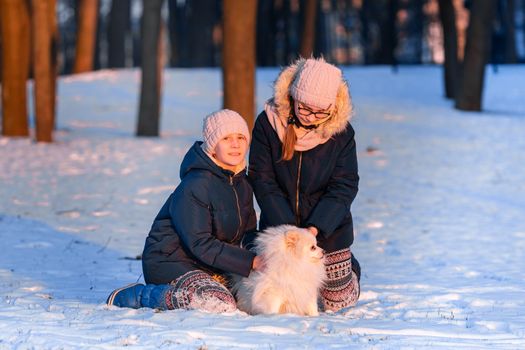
{"x":280,"y":102}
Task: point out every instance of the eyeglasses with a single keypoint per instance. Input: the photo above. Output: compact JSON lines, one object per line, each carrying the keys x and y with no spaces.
{"x":319,"y":115}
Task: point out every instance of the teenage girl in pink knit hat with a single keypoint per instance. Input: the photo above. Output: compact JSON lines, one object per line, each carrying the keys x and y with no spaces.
{"x":303,"y":168}
{"x":195,"y":236}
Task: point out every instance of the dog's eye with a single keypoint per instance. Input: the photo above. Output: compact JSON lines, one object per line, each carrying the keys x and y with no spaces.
{"x":312,"y":248}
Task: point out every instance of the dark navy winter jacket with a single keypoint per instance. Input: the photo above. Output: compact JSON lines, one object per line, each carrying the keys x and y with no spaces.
{"x":314,"y":188}
{"x":201,"y":224}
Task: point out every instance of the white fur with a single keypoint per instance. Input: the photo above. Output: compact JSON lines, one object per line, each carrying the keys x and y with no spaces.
{"x":293,"y":274}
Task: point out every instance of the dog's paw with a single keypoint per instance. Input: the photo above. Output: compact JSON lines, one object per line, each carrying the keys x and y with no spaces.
{"x":312,"y":310}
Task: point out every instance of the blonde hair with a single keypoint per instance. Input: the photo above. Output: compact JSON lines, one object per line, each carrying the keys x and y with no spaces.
{"x":289,"y":140}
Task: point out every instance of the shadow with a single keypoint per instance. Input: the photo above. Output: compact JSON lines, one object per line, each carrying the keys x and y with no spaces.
{"x":503,"y":113}
{"x":38,"y":262}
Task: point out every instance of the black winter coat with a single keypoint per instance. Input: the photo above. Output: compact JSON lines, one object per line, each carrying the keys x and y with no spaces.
{"x":314,"y":188}
{"x":201,"y":224}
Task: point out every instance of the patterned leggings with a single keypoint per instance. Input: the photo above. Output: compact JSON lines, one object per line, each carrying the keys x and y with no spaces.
{"x":342,"y":287}
{"x":199,"y":290}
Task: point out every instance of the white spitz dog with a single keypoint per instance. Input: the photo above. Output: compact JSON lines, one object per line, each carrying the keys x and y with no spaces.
{"x":293,"y":274}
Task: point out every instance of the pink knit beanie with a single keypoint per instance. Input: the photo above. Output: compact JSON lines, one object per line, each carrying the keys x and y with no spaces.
{"x":220,"y":124}
{"x":316,"y":83}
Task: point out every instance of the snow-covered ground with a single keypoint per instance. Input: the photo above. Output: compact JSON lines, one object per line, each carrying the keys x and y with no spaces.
{"x":440,"y":219}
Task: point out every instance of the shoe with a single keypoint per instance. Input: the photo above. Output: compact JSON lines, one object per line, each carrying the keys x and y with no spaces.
{"x":127,"y":296}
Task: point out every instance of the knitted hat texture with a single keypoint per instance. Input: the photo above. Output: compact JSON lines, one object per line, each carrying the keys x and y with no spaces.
{"x":220,"y":124}
{"x":316,"y":83}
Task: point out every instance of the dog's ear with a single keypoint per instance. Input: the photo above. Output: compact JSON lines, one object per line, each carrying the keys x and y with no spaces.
{"x":291,"y":238}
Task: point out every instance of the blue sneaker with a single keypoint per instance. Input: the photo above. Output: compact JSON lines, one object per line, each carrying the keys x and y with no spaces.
{"x":127,"y":296}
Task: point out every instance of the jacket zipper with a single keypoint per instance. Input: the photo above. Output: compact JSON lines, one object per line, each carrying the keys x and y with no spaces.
{"x":297,"y":216}
{"x":238,"y":209}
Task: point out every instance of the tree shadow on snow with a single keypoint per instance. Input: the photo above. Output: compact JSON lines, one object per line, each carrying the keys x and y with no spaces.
{"x":37,"y":259}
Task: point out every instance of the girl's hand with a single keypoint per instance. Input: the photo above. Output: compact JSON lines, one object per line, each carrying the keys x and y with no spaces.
{"x":313,"y":230}
{"x":258,"y":263}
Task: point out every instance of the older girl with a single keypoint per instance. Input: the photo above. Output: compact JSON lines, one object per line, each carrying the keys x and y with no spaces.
{"x":303,"y":167}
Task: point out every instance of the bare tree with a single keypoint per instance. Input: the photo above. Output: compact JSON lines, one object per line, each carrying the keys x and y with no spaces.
{"x":308,"y":34}
{"x":476,"y":54}
{"x":174,"y":13}
{"x":366,"y":41}
{"x":510,"y":29}
{"x":447,"y":17}
{"x":118,"y":27}
{"x":201,"y":16}
{"x":150,"y":89}
{"x":86,"y":35}
{"x":238,"y":67}
{"x":15,"y":26}
{"x":43,"y":68}
{"x":389,"y":35}
{"x":52,"y":8}
{"x":417,"y":30}
{"x":265,"y":33}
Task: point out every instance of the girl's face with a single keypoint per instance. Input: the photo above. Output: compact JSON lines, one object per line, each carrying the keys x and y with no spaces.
{"x":231,"y":150}
{"x":310,"y":115}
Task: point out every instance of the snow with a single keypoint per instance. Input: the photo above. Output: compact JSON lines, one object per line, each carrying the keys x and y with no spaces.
{"x":440,"y":219}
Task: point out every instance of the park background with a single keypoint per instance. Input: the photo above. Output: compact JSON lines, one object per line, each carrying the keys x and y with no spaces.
{"x":96,"y":120}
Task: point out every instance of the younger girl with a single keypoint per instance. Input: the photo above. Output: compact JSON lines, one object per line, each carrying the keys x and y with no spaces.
{"x":195,"y":237}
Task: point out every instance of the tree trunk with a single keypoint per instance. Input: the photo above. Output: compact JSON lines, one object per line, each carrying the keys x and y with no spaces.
{"x":15,"y":26}
{"x":52,"y":15}
{"x":118,"y":28}
{"x":365,"y":32}
{"x":450,"y":43}
{"x":510,"y":32}
{"x":522,"y":27}
{"x":476,"y":54}
{"x":42,"y":69}
{"x":100,"y":36}
{"x":68,"y":31}
{"x":136,"y":47}
{"x":265,"y":33}
{"x":281,"y":36}
{"x":86,"y":34}
{"x":201,"y":16}
{"x":292,"y":19}
{"x":418,"y":30}
{"x":389,"y":35}
{"x":308,"y":34}
{"x":239,"y":57}
{"x":149,"y":110}
{"x":173,"y":10}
